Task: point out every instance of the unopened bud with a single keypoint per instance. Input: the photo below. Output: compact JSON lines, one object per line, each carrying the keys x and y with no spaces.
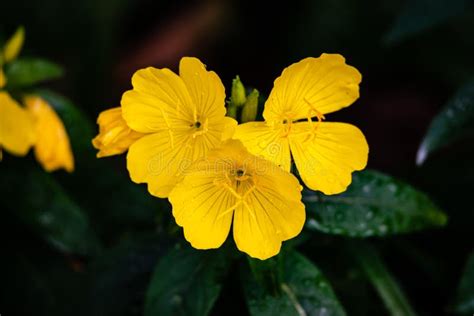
{"x":237,"y":97}
{"x":249,"y":112}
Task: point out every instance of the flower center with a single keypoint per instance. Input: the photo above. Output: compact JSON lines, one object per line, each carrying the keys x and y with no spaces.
{"x":199,"y":127}
{"x":286,"y":128}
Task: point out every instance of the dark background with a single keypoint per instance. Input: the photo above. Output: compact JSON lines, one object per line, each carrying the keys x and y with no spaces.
{"x":410,"y":68}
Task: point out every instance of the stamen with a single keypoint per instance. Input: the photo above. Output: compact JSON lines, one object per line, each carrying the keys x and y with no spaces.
{"x":240,"y":200}
{"x":230,"y":209}
{"x":318,"y":114}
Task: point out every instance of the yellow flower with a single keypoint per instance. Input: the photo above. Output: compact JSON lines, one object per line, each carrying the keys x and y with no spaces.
{"x":3,"y":79}
{"x":10,"y":52}
{"x":14,"y":44}
{"x":52,"y":148}
{"x":230,"y":185}
{"x":115,"y":137}
{"x":325,"y":154}
{"x":184,"y":117}
{"x":17,"y":133}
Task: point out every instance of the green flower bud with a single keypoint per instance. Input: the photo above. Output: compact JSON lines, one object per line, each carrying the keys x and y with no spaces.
{"x":249,"y":112}
{"x":237,"y":97}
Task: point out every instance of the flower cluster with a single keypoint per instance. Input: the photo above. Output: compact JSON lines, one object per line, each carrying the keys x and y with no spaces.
{"x":33,"y":123}
{"x":218,"y":174}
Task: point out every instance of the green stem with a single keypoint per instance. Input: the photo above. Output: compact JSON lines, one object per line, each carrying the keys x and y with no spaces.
{"x":383,"y":281}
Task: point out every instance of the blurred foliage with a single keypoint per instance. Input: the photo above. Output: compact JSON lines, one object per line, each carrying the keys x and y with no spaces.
{"x":29,"y":71}
{"x":419,"y":15}
{"x":465,"y":298}
{"x":454,"y":122}
{"x":94,"y":243}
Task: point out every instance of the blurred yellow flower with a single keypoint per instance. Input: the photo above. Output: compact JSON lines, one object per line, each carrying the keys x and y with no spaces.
{"x":230,"y":185}
{"x":184,"y":117}
{"x":13,"y":46}
{"x":325,"y":154}
{"x":10,"y":51}
{"x":115,"y":137}
{"x":17,"y":131}
{"x":52,"y":147}
{"x":3,"y":79}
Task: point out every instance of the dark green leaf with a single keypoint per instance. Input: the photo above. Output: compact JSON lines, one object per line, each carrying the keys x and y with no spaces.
{"x":302,"y":289}
{"x":374,"y":205}
{"x":29,"y":71}
{"x":420,"y":15}
{"x":465,"y":298}
{"x":383,"y":281}
{"x":34,"y":196}
{"x":186,"y":282}
{"x":455,"y":121}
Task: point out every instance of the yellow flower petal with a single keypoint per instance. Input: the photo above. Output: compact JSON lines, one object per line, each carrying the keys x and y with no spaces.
{"x":205,"y":88}
{"x":3,"y":79}
{"x":202,"y":208}
{"x":14,"y":44}
{"x":272,"y":213}
{"x":265,"y":201}
{"x":229,"y":128}
{"x":327,"y":156}
{"x":267,"y":141}
{"x":159,"y":100}
{"x":52,"y":147}
{"x":115,"y":137}
{"x":312,"y":87}
{"x":17,"y":129}
{"x":159,"y":159}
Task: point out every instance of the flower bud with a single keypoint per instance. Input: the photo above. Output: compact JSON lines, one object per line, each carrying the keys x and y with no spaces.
{"x":237,"y":97}
{"x":249,"y":112}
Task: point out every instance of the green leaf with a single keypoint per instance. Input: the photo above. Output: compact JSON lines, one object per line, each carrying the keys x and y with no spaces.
{"x":302,"y":289}
{"x":465,"y":296}
{"x":29,"y":71}
{"x":420,"y":15}
{"x":454,"y":122}
{"x":39,"y":201}
{"x":375,"y":204}
{"x":186,"y":282}
{"x":383,"y":281}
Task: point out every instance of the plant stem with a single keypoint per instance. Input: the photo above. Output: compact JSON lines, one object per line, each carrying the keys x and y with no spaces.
{"x":383,"y":281}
